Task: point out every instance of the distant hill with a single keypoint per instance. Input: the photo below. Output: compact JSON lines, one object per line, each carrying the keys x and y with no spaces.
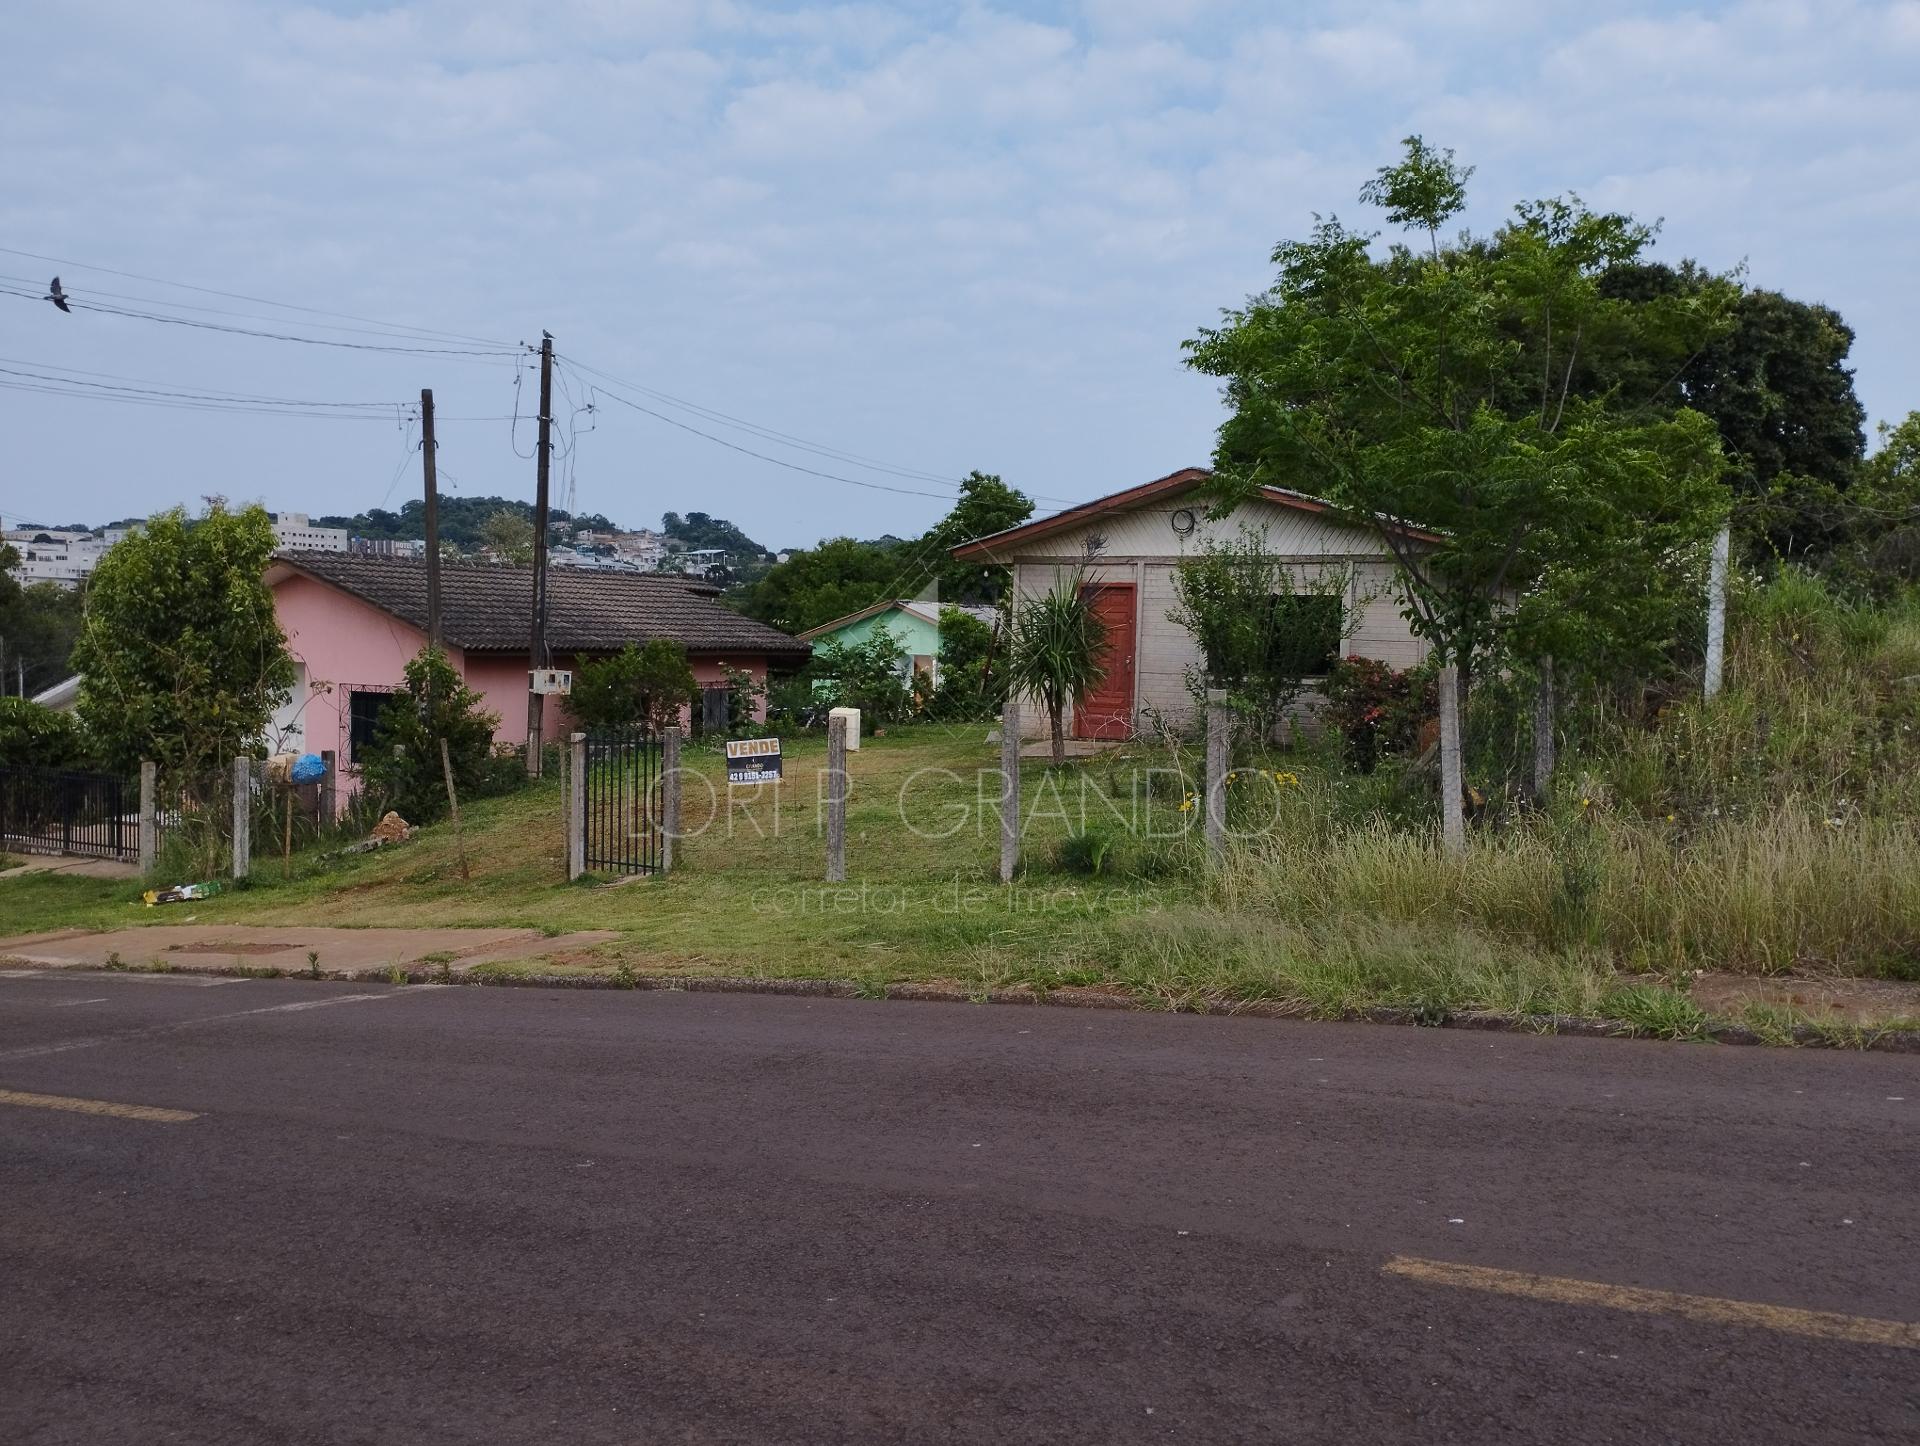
{"x":463,"y":519}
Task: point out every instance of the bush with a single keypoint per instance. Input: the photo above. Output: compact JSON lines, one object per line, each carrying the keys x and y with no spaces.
{"x":1377,"y":710}
{"x":636,"y":687}
{"x":34,"y":736}
{"x":973,"y":682}
{"x":404,"y":771}
{"x":869,"y":675}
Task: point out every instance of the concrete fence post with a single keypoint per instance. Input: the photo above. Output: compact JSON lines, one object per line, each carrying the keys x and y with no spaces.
{"x":576,"y":796}
{"x":1453,"y":815}
{"x":837,"y":801}
{"x":149,"y":817}
{"x":669,"y":795}
{"x":329,"y":789}
{"x":1009,"y":790}
{"x":1717,"y":612}
{"x":1219,"y":746}
{"x":242,"y":816}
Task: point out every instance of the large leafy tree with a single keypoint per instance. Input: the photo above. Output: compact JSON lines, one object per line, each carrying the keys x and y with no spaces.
{"x":1776,"y":383}
{"x":40,"y":627}
{"x":818,"y":584}
{"x":987,"y":505}
{"x":180,"y":656}
{"x":1435,"y":384}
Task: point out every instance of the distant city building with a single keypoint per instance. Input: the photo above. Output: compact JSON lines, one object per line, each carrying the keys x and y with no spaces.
{"x":62,"y":557}
{"x":293,"y":533}
{"x":384,"y":547}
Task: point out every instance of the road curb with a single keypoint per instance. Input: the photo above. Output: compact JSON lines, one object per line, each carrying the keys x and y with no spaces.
{"x":1065,"y":997}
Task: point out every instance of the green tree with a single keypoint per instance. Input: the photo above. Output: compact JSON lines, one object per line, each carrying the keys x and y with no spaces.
{"x":636,"y":687}
{"x":35,"y":736}
{"x":987,"y":505}
{"x":1883,"y":524}
{"x":973,"y":672}
{"x":816,"y":585}
{"x":39,"y":629}
{"x":1056,"y":651}
{"x":1777,"y":385}
{"x":508,"y":536}
{"x":1437,"y":386}
{"x":403,"y":770}
{"x":180,"y":656}
{"x":1262,"y":632}
{"x":870,"y":675}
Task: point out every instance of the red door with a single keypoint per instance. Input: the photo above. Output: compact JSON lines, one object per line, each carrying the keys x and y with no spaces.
{"x":1107,"y":711}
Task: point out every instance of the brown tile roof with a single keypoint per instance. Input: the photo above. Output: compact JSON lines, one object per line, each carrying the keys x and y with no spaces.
{"x":992,"y":548}
{"x":484,"y":606}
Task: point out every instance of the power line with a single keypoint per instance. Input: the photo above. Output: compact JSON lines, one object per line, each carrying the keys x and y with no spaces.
{"x":241,"y":296}
{"x":194,"y":394}
{"x":76,"y":304}
{"x":762,"y":456}
{"x":768,"y":433}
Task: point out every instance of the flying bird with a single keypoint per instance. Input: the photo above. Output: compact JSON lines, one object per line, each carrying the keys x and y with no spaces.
{"x":58,"y":297}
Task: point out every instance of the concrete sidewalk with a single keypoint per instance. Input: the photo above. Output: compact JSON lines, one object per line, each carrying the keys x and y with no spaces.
{"x":342,"y":953}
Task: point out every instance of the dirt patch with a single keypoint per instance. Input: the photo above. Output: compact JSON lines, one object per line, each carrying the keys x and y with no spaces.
{"x":1845,"y":1001}
{"x":236,"y":948}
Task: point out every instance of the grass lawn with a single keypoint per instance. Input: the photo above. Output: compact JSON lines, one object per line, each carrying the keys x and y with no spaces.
{"x":1327,"y":910}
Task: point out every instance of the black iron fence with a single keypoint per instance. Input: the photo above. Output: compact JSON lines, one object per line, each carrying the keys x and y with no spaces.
{"x":52,"y":810}
{"x":620,"y":793}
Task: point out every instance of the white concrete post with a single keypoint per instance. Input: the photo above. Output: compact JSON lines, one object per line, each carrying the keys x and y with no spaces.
{"x":837,"y":800}
{"x":1717,"y":611}
{"x":1219,"y":746}
{"x":149,"y":820}
{"x":1545,"y":711}
{"x":577,"y":806}
{"x":242,"y":816}
{"x":1009,"y":790}
{"x":1453,"y":815}
{"x":670,"y":795}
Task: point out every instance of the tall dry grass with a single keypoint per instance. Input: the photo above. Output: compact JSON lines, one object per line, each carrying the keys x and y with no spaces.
{"x":1775,"y":829}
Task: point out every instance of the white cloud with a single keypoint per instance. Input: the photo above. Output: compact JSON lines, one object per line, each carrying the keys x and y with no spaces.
{"x":953,"y":235}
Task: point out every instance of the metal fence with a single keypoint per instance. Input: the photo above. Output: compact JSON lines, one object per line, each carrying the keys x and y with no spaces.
{"x":52,"y":810}
{"x":620,"y":801}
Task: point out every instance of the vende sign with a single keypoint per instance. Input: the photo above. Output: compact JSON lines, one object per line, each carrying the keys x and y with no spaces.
{"x":753,"y":760}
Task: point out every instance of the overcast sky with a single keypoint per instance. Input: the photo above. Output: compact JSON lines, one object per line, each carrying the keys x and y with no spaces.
{"x":938,"y":236}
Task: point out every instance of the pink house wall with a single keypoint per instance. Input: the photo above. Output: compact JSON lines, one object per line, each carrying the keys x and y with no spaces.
{"x":340,"y":642}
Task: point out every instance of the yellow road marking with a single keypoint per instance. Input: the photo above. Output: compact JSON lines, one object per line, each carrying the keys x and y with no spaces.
{"x":1824,"y":1325}
{"x":153,"y":1114}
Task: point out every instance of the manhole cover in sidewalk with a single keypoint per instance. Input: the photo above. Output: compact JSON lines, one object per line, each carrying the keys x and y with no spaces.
{"x":209,"y":947}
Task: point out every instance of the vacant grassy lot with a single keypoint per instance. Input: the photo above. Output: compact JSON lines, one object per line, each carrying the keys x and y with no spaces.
{"x":1327,"y":907}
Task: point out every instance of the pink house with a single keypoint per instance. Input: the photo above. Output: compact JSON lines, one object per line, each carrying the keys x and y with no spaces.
{"x":353,"y":622}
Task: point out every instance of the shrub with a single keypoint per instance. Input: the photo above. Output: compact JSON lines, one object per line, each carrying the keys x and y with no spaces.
{"x":404,"y":771}
{"x":973,"y":682}
{"x":35,"y":736}
{"x":869,"y":675}
{"x":1088,"y":852}
{"x":1377,"y":710}
{"x":636,"y":687}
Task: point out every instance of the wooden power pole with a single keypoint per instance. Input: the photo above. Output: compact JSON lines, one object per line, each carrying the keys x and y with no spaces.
{"x":537,"y":648}
{"x":432,"y":517}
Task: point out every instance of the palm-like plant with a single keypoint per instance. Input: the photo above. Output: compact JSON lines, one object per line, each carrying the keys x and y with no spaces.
{"x":1056,"y":651}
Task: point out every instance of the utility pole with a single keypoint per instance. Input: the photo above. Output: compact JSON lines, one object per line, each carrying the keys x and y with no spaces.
{"x":537,"y":648}
{"x":427,"y":467}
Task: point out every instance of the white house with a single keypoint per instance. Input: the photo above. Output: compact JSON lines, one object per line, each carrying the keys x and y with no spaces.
{"x":1130,"y":543}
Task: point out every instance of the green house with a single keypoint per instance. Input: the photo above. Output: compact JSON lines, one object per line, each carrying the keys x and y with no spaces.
{"x":914,"y":623}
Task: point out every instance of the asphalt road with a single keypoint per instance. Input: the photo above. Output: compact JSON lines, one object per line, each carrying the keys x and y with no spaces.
{"x":462,"y":1215}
